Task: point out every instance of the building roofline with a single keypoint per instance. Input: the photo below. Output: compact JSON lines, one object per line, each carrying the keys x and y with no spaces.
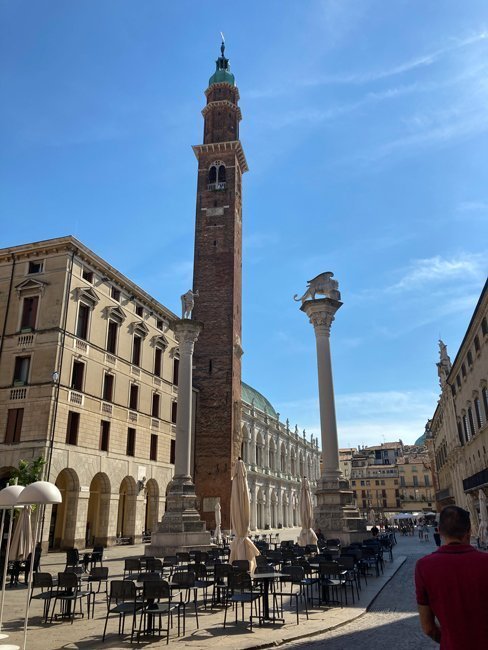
{"x":71,"y":243}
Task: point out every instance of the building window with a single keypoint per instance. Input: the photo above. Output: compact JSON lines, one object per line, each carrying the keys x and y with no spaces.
{"x":153,"y":451}
{"x":176,"y":368}
{"x":115,"y":293}
{"x":131,"y":442}
{"x":484,"y":394}
{"x":35,"y":267}
{"x":29,"y":313}
{"x":139,"y":310}
{"x":377,"y":482}
{"x":155,"y":405}
{"x":83,"y":320}
{"x":484,"y":326}
{"x":104,"y":435}
{"x":160,"y":324}
{"x":466,"y":428}
{"x":477,"y":343}
{"x":460,"y":434}
{"x":158,"y":361}
{"x":14,"y":426}
{"x":133,"y":397}
{"x":136,"y":350}
{"x":463,"y":371}
{"x":470,"y":358}
{"x":172,"y":452}
{"x":72,"y":428}
{"x":77,"y":375}
{"x":471,"y":421}
{"x":87,"y":275}
{"x":458,"y":381}
{"x":402,"y":481}
{"x":112,"y":333}
{"x":108,"y":387}
{"x":21,"y":371}
{"x":477,"y":410}
{"x":426,"y":480}
{"x":174,"y":409}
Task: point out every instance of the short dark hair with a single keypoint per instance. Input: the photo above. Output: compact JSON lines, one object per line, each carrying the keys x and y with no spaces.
{"x":454,"y":522}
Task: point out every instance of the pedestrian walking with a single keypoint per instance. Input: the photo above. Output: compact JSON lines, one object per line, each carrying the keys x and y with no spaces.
{"x":437,"y":537}
{"x":452,"y":586}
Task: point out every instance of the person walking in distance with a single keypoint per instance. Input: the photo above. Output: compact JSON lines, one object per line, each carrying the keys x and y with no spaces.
{"x":452,"y":586}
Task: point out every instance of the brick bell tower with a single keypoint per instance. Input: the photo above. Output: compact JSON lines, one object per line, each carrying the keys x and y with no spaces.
{"x":217,"y":276}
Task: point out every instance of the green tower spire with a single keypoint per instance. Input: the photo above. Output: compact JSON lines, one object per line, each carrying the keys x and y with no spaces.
{"x":222,"y":72}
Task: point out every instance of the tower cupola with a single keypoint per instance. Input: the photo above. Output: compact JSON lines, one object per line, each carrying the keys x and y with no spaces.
{"x":222,"y":72}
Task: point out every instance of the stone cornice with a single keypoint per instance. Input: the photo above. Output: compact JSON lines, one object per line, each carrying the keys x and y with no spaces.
{"x":223,"y":84}
{"x":223,"y":147}
{"x":222,"y":103}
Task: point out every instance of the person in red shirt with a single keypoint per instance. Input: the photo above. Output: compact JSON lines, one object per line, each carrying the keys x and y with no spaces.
{"x":452,"y":587}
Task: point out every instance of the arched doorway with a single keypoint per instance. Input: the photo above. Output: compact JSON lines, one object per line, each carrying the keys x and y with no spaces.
{"x":126,"y":518}
{"x":98,"y":510}
{"x":152,"y":505}
{"x":62,"y":528}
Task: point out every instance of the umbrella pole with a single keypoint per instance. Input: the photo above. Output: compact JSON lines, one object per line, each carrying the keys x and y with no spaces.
{"x":3,"y":636}
{"x":31,"y":573}
{"x":5,"y":564}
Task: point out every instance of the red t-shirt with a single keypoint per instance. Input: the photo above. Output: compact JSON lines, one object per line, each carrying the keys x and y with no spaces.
{"x":453,"y":582}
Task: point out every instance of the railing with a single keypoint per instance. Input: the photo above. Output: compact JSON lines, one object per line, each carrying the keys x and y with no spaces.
{"x":81,"y":346}
{"x":106,"y":408}
{"x":25,"y":340}
{"x":218,"y":187}
{"x":109,"y":358}
{"x":76,"y":398}
{"x":18,"y":393}
{"x":478,"y":480}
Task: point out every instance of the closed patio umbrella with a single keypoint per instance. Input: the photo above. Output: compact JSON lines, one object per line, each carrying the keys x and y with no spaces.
{"x":241,"y":547}
{"x":483,"y":527}
{"x":218,"y":523}
{"x":307,"y":535}
{"x":22,"y":540}
{"x":371,"y":517}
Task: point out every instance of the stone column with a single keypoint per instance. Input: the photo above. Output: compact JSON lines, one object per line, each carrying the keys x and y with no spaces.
{"x":335,"y":512}
{"x":181,"y":527}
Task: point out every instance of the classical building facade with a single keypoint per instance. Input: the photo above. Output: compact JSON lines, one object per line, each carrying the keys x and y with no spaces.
{"x":88,"y":380}
{"x":277,"y":458}
{"x":416,"y":480}
{"x":458,"y":431}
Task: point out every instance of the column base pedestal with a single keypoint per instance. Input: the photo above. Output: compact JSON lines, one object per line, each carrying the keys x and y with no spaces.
{"x":181,"y":528}
{"x":335,"y":513}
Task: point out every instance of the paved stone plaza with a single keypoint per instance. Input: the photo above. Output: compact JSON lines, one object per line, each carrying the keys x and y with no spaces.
{"x":391,"y":617}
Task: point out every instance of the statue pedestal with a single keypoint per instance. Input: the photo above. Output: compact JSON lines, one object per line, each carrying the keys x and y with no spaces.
{"x":181,"y":528}
{"x":335,"y":513}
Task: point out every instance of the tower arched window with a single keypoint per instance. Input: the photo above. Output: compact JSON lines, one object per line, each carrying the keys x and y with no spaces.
{"x":217,"y":176}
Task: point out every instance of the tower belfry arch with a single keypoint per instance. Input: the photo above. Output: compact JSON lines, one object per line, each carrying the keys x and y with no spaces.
{"x":217,"y":276}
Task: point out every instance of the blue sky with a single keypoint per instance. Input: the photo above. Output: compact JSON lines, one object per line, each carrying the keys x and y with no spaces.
{"x":365,"y":126}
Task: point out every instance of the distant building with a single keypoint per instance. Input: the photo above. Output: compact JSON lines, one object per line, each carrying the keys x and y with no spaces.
{"x":416,"y":480}
{"x":458,"y":431}
{"x":345,"y":460}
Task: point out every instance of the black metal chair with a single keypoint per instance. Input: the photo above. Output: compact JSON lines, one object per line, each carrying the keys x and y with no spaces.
{"x":295,"y":577}
{"x":241,"y":565}
{"x":241,"y":591}
{"x":157,"y":603}
{"x":73,"y":559}
{"x":221,"y":579}
{"x":122,"y":602}
{"x":185,"y":582}
{"x":132,"y":566}
{"x":98,"y":575}
{"x":44,"y":582}
{"x":331,"y":581}
{"x":348,"y":564}
{"x":203,"y":580}
{"x":154,"y":564}
{"x":69,"y":591}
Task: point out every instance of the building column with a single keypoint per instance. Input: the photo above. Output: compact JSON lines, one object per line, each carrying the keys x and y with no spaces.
{"x":181,"y":526}
{"x":335,"y":513}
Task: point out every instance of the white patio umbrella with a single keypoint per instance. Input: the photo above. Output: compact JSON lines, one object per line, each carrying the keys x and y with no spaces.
{"x":241,"y":547}
{"x":218,"y":523}
{"x":483,"y":527}
{"x":8,"y":498}
{"x":371,"y":517}
{"x":307,"y":535}
{"x":40,"y":493}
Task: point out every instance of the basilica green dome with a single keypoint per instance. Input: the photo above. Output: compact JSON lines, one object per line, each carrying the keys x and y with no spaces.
{"x":260,"y":402}
{"x":222,"y":72}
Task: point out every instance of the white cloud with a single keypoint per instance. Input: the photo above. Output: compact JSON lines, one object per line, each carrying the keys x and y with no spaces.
{"x":437,"y":269}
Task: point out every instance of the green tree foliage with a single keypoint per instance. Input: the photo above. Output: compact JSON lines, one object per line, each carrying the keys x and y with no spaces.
{"x":28,"y":471}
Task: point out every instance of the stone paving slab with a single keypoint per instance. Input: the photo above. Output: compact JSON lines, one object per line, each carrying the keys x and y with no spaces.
{"x":85,"y":634}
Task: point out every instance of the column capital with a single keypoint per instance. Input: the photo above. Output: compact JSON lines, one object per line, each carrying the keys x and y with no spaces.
{"x":186,"y":333}
{"x":321,"y":314}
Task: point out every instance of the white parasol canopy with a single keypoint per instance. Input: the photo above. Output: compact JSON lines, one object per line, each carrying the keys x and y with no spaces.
{"x":307,"y":535}
{"x":371,"y":517}
{"x":218,"y":523}
{"x":241,"y":547}
{"x":483,"y":527}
